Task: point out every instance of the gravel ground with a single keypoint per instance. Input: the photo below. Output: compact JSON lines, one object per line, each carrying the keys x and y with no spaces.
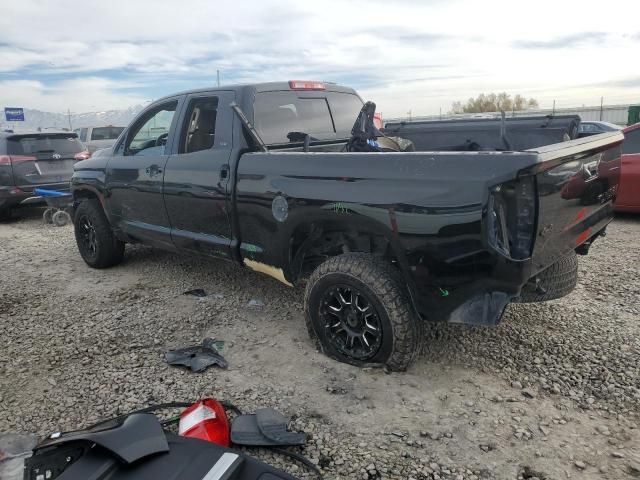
{"x":553,"y":392}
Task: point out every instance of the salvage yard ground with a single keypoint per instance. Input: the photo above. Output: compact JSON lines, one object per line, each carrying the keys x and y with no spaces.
{"x":553,"y":392}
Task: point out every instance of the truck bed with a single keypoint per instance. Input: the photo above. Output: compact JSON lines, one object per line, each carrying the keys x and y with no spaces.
{"x":432,"y":210}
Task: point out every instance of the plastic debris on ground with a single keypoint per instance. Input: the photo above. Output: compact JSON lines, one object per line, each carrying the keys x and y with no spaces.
{"x":199,"y":357}
{"x":14,"y":448}
{"x":255,"y":304}
{"x":196,"y":292}
{"x":267,"y":427}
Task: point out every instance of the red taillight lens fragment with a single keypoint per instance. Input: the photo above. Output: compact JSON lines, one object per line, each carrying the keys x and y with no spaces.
{"x":206,"y":420}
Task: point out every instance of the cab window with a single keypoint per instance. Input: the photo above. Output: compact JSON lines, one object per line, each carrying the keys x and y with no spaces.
{"x":199,"y":129}
{"x":149,"y":134}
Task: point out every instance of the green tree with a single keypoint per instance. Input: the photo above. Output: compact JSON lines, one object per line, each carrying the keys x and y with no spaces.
{"x":494,"y":102}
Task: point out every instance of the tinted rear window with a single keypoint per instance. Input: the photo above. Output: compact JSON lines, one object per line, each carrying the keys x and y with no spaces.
{"x":106,"y":133}
{"x":278,"y":114}
{"x":46,"y":143}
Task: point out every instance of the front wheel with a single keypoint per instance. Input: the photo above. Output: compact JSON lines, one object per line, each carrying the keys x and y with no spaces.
{"x":358,"y":311}
{"x":97,"y":244}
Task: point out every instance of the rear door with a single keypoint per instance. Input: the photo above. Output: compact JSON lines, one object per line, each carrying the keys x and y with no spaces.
{"x":43,"y":158}
{"x":196,"y":176}
{"x":629,"y":190}
{"x":135,"y":173}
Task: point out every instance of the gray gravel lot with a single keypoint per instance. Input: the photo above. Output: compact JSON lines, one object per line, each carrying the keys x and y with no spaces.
{"x":553,"y":392}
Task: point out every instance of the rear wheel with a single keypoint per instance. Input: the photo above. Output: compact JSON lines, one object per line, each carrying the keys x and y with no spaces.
{"x":556,"y":281}
{"x":97,"y":244}
{"x":357,"y":309}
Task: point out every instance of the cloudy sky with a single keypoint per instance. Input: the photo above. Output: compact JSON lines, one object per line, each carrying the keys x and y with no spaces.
{"x":404,"y":54}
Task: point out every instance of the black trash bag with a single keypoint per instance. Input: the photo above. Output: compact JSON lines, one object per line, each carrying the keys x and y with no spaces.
{"x":197,"y":358}
{"x":364,"y":132}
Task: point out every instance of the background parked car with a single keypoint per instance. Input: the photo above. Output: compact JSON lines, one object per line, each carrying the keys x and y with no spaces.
{"x":38,"y":159}
{"x":98,"y":137}
{"x":593,"y":128}
{"x":628,"y":199}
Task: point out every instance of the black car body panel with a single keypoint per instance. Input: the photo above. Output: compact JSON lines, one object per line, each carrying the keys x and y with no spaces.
{"x":467,"y":229}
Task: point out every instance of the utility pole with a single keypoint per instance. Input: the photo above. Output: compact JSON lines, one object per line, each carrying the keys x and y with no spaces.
{"x":440,"y":113}
{"x":553,"y":112}
{"x":409,"y":113}
{"x":601,"y":102}
{"x":69,"y":117}
{"x":218,"y":76}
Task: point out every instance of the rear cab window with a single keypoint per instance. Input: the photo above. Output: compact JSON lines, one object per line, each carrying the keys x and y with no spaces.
{"x":286,"y":116}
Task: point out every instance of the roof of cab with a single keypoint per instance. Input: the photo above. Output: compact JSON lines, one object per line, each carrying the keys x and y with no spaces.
{"x":260,"y":87}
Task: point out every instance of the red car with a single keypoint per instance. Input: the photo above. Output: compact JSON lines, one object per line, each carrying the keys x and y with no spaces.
{"x":628,"y":199}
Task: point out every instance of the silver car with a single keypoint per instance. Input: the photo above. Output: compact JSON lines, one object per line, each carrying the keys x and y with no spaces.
{"x":95,"y":138}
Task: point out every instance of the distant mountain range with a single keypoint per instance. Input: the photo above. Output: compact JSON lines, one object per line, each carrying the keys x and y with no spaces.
{"x":34,"y":119}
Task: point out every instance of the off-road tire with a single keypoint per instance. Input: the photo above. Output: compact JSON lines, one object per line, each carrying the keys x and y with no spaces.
{"x":109,"y":250}
{"x":402,"y":329}
{"x":557,"y":281}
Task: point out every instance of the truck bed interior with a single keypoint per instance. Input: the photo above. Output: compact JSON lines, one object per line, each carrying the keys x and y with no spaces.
{"x":486,"y":134}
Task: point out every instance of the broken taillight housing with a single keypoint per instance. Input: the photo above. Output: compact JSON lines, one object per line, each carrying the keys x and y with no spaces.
{"x":511,"y":217}
{"x":206,"y":420}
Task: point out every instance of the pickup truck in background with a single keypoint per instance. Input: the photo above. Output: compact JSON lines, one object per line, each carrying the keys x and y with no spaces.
{"x":95,"y":138}
{"x":268,"y":176}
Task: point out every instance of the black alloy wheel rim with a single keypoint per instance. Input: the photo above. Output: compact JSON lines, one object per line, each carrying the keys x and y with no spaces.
{"x":88,"y":235}
{"x":351,"y":322}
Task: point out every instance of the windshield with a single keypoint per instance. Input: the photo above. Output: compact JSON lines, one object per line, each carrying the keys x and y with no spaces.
{"x":280,"y":117}
{"x":106,"y":133}
{"x":62,"y":143}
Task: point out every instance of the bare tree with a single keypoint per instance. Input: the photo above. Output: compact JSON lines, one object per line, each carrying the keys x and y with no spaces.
{"x":494,"y":102}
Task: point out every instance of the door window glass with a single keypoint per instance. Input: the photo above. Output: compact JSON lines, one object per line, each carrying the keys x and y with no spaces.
{"x":148,"y":136}
{"x":198,"y":131}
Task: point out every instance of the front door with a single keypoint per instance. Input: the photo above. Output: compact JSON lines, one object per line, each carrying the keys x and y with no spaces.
{"x":196,"y":176}
{"x":135,"y":174}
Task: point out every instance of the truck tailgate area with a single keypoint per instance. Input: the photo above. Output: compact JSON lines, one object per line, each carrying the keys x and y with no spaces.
{"x":577,"y":182}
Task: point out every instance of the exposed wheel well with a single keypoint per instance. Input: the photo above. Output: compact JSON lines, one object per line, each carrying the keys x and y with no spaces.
{"x":79,"y":194}
{"x":312,"y":244}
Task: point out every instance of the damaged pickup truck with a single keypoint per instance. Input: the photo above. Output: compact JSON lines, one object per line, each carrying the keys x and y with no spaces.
{"x":387,"y":233}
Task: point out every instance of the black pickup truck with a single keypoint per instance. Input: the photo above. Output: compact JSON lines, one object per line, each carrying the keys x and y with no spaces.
{"x":265,"y":176}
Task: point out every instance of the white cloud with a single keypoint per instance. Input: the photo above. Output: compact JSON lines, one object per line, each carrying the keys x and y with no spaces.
{"x":87,"y":94}
{"x":403,"y":54}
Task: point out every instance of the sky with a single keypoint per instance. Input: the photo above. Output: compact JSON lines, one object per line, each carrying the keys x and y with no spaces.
{"x":405,"y":55}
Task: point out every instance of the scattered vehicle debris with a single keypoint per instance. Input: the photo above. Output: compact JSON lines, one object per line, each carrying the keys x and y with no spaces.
{"x":14,"y":449}
{"x":196,"y":292}
{"x":137,"y":446}
{"x":255,"y":304}
{"x":199,"y":357}
{"x":206,"y":420}
{"x":266,"y":427}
